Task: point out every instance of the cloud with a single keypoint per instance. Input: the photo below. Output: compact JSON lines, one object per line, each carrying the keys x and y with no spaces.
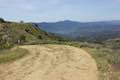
{"x":25,"y":8}
{"x":57,"y":9}
{"x":15,"y":4}
{"x":31,"y":5}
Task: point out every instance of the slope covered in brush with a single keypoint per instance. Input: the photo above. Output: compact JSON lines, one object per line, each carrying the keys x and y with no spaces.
{"x":18,"y":33}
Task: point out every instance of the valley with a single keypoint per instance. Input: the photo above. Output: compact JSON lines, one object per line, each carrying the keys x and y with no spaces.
{"x":84,"y":31}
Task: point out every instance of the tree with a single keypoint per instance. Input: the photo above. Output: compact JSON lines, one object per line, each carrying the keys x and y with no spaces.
{"x":22,"y":38}
{"x":2,"y":20}
{"x":22,"y":21}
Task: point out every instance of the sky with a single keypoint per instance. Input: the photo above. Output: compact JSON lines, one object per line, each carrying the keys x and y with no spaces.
{"x":58,"y":10}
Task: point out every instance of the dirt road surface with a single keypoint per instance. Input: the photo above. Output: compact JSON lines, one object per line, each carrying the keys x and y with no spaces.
{"x":51,"y":62}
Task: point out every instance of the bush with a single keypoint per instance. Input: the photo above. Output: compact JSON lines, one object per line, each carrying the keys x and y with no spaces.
{"x":5,"y":44}
{"x":2,"y":20}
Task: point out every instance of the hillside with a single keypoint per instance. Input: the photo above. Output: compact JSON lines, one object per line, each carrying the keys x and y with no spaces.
{"x":19,"y":33}
{"x":84,"y":31}
{"x":56,"y":57}
{"x":51,"y":62}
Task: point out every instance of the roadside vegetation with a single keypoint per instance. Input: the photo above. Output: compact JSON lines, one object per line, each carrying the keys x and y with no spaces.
{"x":12,"y":54}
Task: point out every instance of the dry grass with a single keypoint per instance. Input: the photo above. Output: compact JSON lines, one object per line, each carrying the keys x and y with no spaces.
{"x":12,"y":54}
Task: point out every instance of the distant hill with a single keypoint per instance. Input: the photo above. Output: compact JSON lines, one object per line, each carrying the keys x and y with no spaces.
{"x":62,"y":27}
{"x":19,"y":33}
{"x":90,"y":31}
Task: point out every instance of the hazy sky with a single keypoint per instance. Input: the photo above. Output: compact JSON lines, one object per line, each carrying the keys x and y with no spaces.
{"x":54,"y":10}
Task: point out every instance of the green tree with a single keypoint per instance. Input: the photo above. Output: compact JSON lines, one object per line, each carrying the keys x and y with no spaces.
{"x":22,"y":38}
{"x":2,"y":20}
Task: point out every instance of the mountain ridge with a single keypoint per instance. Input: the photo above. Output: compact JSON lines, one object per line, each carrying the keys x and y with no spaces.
{"x":73,"y":29}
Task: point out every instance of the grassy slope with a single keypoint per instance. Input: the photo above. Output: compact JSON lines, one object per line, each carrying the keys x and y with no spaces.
{"x":11,"y":55}
{"x":10,"y":33}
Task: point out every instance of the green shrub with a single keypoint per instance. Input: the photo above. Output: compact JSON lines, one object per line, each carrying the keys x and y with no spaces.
{"x":1,"y":20}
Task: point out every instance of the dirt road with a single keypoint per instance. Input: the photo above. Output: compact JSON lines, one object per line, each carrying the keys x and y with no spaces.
{"x":51,"y":62}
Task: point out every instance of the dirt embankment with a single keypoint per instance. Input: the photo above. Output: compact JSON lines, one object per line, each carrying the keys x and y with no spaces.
{"x":51,"y":62}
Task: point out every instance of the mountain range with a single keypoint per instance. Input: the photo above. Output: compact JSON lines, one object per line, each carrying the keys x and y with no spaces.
{"x":84,"y":31}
